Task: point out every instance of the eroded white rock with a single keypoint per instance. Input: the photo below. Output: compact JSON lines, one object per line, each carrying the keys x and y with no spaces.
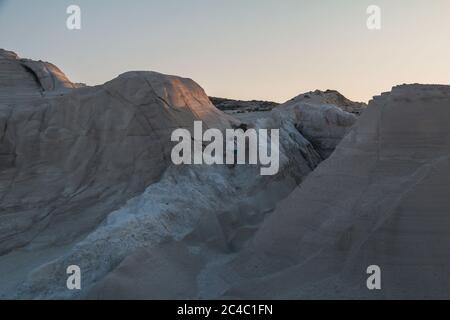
{"x":86,"y":180}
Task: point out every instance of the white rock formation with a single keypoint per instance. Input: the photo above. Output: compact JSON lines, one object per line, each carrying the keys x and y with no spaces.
{"x":83,"y":152}
{"x":222,"y":209}
{"x":70,"y":156}
{"x":332,"y":97}
{"x":322,"y":124}
{"x":381,"y":199}
{"x":217,"y":209}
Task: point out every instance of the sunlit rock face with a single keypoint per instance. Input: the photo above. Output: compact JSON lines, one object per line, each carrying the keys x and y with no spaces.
{"x":23,"y":79}
{"x":69,"y":156}
{"x":382,"y":198}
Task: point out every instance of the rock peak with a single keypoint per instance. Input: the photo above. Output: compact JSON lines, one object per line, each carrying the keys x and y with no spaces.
{"x":5,"y":54}
{"x":333,"y":97}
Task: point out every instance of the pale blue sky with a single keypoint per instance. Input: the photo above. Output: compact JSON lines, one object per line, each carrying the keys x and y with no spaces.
{"x":264,"y":49}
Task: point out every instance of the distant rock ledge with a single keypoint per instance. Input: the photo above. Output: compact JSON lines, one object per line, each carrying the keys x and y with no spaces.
{"x":331,"y":97}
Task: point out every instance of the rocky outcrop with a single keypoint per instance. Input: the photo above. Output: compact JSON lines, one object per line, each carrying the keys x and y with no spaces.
{"x":86,"y":179}
{"x":222,"y":209}
{"x":214,"y":209}
{"x":380,"y":199}
{"x":323,"y":118}
{"x":322,"y":124}
{"x":24,"y":79}
{"x":331,"y":97}
{"x":239,"y":106}
{"x":83,"y":152}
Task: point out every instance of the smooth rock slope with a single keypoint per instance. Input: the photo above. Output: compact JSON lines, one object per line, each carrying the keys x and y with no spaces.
{"x":382,"y":198}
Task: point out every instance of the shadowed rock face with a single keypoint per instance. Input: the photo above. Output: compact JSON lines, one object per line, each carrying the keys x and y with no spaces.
{"x":69,"y":156}
{"x":381,"y":199}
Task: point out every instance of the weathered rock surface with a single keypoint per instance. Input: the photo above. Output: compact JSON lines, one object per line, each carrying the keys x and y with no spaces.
{"x":216,"y":226}
{"x":86,"y":179}
{"x":240,"y":106}
{"x":83,"y":152}
{"x":380,"y":199}
{"x":24,"y":79}
{"x":210,"y":210}
{"x":331,"y":97}
{"x":323,"y":118}
{"x":323,"y":125}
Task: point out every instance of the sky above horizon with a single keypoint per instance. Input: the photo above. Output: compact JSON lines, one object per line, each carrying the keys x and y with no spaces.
{"x":243,"y":49}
